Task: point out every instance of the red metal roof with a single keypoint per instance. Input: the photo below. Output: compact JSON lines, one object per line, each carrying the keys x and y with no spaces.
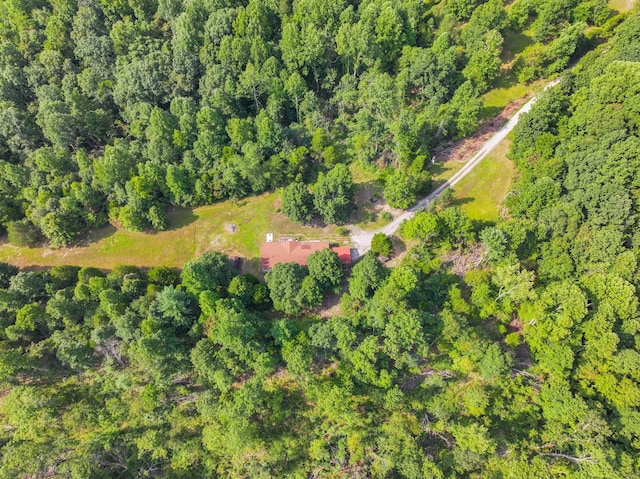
{"x":344,"y":252}
{"x":297,"y":251}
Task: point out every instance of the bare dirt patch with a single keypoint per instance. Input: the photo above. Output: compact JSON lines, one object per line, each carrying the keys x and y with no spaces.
{"x":462,"y":150}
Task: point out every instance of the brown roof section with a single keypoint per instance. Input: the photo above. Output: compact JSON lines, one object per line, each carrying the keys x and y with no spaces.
{"x":296,"y":252}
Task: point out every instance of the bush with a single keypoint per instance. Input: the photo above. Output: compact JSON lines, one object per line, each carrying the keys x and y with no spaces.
{"x":63,"y":276}
{"x":23,"y":234}
{"x":381,"y":244}
{"x":208,"y":272}
{"x":163,"y":276}
{"x":7,"y":271}
{"x":88,"y":272}
{"x":512,"y":340}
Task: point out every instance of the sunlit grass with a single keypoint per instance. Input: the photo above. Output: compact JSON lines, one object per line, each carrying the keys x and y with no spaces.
{"x":621,"y":5}
{"x":194,"y":232}
{"x":481,"y":192}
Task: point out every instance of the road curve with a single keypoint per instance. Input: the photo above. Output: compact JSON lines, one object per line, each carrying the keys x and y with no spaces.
{"x":361,"y":240}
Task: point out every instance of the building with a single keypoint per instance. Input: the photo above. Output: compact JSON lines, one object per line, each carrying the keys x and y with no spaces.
{"x":297,"y":252}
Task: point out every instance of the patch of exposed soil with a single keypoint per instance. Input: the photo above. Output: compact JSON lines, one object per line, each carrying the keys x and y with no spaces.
{"x":516,"y":326}
{"x":463,"y":149}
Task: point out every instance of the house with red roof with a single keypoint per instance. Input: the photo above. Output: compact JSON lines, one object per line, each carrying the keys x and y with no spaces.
{"x":291,"y":251}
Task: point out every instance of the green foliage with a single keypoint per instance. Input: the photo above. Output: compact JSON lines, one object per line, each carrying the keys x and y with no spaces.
{"x":285,"y":282}
{"x":525,"y":365}
{"x":297,"y":203}
{"x":401,"y":189}
{"x":325,"y":268}
{"x":367,"y":276}
{"x":7,"y":271}
{"x":112,"y":111}
{"x":333,"y":193}
{"x":496,"y":242}
{"x":425,"y":226}
{"x":21,"y":233}
{"x":381,"y":244}
{"x":243,"y":288}
{"x":210,"y":271}
{"x":163,"y":276}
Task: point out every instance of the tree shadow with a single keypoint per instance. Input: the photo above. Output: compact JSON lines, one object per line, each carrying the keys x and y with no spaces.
{"x":507,"y":80}
{"x":479,"y":225}
{"x":437,"y":168}
{"x":92,"y":236}
{"x":399,"y":246}
{"x":461,"y":201}
{"x":180,"y":217}
{"x":489,"y":111}
{"x":252,"y":266}
{"x":368,"y":202}
{"x":514,"y":42}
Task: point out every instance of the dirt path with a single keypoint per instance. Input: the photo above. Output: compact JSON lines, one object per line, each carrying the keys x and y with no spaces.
{"x":361,"y":239}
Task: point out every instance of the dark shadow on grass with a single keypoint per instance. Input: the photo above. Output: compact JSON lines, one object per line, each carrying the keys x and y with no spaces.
{"x":93,"y":236}
{"x":399,"y":246}
{"x":461,"y":201}
{"x":367,"y":198}
{"x":514,"y":42}
{"x":479,"y":225}
{"x":489,"y":112}
{"x":506,"y":80}
{"x":437,"y":169}
{"x":180,"y":217}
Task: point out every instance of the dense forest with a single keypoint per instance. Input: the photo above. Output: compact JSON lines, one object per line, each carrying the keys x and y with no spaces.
{"x":112,"y":110}
{"x":502,"y":351}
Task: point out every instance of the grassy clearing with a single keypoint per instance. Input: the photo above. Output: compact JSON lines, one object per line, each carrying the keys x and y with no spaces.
{"x":506,"y":88}
{"x":193,"y":232}
{"x":369,"y":198}
{"x":621,"y":5}
{"x":481,"y":192}
{"x":515,"y":42}
{"x":441,"y":172}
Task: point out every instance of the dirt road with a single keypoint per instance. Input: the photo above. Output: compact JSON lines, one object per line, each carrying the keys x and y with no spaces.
{"x":361,"y":240}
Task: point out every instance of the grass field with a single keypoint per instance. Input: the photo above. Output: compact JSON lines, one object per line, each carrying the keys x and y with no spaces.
{"x":441,"y":172}
{"x":506,"y":88}
{"x":193,"y":232}
{"x":480,"y":193}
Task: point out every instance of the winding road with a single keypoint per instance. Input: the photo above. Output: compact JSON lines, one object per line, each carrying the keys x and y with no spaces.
{"x":361,"y":239}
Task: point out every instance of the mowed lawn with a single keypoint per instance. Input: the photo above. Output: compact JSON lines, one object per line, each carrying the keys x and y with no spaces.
{"x":193,"y":232}
{"x":481,"y":192}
